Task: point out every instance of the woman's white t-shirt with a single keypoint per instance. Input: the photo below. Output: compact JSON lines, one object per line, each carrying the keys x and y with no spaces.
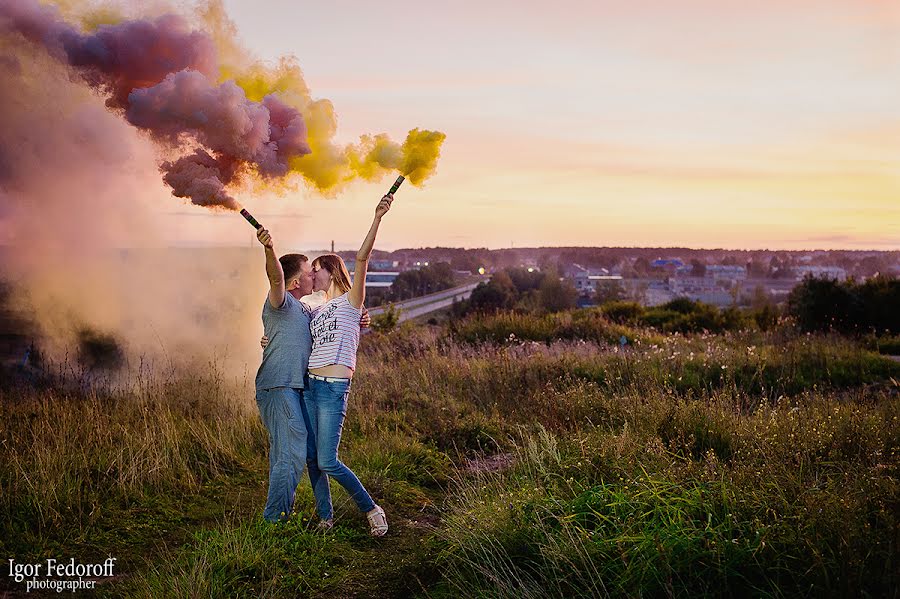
{"x":335,"y":333}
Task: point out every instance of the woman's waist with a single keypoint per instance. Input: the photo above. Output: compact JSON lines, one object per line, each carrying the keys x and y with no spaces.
{"x":332,"y":370}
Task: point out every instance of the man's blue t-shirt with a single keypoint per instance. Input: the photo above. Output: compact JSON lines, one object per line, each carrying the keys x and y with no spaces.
{"x":286,"y":357}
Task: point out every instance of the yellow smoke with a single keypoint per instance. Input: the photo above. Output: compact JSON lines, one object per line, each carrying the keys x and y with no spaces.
{"x":374,"y":156}
{"x":101,"y":15}
{"x":90,"y":13}
{"x":421,"y":151}
{"x":329,"y":166}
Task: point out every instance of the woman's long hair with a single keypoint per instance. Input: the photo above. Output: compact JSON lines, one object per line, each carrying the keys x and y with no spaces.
{"x":334,"y":264}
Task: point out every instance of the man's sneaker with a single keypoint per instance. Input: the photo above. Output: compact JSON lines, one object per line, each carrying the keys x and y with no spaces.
{"x":325,"y":525}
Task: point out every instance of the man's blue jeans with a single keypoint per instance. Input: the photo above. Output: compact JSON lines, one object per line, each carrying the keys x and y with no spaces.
{"x":289,"y":445}
{"x":325,"y":406}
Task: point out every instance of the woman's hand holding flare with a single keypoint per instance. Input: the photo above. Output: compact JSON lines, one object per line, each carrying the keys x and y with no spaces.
{"x":383,"y":206}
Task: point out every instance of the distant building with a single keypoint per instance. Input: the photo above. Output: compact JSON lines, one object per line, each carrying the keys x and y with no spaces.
{"x":724,"y":271}
{"x":416,"y":263}
{"x":586,"y":280}
{"x":587,"y":283}
{"x":374,"y":264}
{"x":692,"y":285}
{"x":670,"y":264}
{"x":657,"y":293}
{"x":574,"y":270}
{"x":374,"y":280}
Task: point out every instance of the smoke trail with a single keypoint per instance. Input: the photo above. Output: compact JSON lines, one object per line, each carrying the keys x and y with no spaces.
{"x":183,"y":86}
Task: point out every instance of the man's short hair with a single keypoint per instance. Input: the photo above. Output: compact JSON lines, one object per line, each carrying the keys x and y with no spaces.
{"x":291,"y":264}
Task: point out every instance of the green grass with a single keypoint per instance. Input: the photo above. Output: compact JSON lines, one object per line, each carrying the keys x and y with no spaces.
{"x":748,"y":463}
{"x":250,"y":558}
{"x":803,"y":502}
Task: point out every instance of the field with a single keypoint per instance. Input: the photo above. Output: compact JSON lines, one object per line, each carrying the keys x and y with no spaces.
{"x":515,"y":456}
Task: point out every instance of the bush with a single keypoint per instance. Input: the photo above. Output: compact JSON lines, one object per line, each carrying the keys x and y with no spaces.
{"x":683,"y":315}
{"x":889,"y":345}
{"x":827,"y":304}
{"x":387,"y":321}
{"x":623,"y":312}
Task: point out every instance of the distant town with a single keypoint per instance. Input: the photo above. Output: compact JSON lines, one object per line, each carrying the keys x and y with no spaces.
{"x":650,"y":276}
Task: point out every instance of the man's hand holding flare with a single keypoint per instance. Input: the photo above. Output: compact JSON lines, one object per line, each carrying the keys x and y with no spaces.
{"x":264,"y":238}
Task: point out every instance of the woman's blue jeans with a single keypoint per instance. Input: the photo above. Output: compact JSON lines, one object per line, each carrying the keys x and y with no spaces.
{"x":325,"y":407}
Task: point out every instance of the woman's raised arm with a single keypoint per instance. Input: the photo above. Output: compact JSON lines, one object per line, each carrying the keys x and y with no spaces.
{"x":358,"y":289}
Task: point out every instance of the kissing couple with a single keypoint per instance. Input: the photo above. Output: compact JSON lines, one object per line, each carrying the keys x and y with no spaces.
{"x":312,"y":318}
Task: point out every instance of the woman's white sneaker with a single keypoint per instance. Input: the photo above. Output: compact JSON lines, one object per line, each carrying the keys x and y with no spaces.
{"x":378,"y":525}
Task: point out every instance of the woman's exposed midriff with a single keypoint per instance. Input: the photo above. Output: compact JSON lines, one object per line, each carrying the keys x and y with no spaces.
{"x":336,"y":370}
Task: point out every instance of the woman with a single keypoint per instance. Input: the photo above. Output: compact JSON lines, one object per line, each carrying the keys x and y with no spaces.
{"x":335,"y":339}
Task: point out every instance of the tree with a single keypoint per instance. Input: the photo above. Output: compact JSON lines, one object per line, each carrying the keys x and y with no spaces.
{"x":557,"y":295}
{"x":607,"y":292}
{"x":698,"y":269}
{"x":756,"y":269}
{"x":497,"y":294}
{"x":880,"y":304}
{"x":871,"y":265}
{"x":469,"y":262}
{"x":641,"y":266}
{"x":820,"y":304}
{"x":760,"y":297}
{"x":526,"y":281}
{"x":429,"y":279}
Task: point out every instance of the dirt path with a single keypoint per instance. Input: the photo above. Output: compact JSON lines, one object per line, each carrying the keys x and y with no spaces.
{"x":403,"y":564}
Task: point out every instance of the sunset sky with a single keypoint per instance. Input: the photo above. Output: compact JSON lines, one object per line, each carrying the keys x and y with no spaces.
{"x":699,"y":123}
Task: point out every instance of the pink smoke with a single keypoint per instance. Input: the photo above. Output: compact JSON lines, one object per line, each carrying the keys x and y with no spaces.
{"x":161,"y":73}
{"x":202,"y":178}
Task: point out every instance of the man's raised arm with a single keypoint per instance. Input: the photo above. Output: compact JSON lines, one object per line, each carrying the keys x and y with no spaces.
{"x":273,"y":269}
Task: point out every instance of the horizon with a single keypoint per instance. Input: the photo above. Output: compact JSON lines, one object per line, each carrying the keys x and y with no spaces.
{"x":326,"y":248}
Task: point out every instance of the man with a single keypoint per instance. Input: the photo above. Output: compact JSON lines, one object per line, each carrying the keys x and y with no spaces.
{"x":280,"y":379}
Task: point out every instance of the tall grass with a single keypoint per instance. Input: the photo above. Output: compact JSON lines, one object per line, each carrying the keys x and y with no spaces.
{"x":750,"y":463}
{"x":797,"y":498}
{"x":69,"y":456}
